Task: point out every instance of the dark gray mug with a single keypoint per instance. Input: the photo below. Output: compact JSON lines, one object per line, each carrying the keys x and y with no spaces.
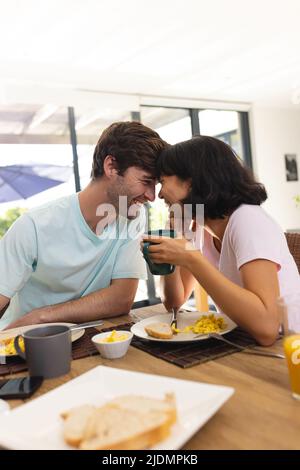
{"x":47,"y":350}
{"x":164,"y":268}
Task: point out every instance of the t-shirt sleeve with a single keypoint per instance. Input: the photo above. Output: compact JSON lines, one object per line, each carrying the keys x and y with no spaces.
{"x":130,"y":262}
{"x":18,"y":255}
{"x":254,"y":235}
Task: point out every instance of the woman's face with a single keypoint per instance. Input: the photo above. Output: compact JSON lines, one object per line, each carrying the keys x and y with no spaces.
{"x":173,"y":189}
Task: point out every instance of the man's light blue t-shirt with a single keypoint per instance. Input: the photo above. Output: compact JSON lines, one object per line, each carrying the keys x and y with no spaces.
{"x":50,"y":255}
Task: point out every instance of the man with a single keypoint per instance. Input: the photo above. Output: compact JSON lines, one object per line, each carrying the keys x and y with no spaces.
{"x":62,"y":262}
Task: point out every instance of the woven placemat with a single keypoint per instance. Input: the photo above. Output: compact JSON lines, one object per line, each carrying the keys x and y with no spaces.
{"x":182,"y":355}
{"x":191,"y":354}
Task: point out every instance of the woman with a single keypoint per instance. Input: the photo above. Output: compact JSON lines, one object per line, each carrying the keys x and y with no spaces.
{"x":244,"y":263}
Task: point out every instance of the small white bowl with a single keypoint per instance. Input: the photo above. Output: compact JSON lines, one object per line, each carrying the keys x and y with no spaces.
{"x":112,"y":350}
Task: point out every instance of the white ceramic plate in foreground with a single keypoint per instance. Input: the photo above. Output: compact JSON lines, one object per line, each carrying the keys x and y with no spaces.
{"x":38,"y":425}
{"x":183,"y":319}
{"x":12,"y":333}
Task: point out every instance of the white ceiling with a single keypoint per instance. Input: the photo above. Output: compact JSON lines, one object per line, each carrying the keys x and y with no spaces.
{"x":232,"y":50}
{"x":106,"y":57}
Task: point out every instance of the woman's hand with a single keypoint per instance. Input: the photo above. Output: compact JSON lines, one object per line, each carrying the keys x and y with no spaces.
{"x":169,"y":250}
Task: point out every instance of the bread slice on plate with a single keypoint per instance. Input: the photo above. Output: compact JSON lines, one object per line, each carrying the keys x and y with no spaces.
{"x":159,"y":330}
{"x":146,"y":405}
{"x":75,"y":423}
{"x":126,"y":422}
{"x":114,"y":428}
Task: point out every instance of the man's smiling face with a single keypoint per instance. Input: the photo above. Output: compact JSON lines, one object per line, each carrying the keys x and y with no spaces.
{"x":137,"y":185}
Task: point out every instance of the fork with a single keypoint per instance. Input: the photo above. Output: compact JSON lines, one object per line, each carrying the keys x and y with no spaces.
{"x":89,"y":324}
{"x":174,"y":316}
{"x":244,"y":349}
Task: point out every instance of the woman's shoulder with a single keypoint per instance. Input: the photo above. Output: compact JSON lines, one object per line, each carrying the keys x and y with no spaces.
{"x":251,"y":213}
{"x":248,"y":219}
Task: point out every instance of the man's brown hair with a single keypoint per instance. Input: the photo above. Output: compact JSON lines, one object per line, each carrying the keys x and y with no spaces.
{"x":131,"y":144}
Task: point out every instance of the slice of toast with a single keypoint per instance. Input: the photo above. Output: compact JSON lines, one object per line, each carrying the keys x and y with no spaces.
{"x":115,"y":428}
{"x":159,"y":330}
{"x":127,"y":422}
{"x":75,"y":423}
{"x":147,"y":405}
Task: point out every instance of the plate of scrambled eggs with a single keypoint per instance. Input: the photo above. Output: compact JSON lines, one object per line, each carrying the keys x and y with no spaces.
{"x":7,"y":337}
{"x":191,"y":326}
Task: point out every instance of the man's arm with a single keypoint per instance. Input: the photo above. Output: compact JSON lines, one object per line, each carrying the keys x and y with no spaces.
{"x":4,"y":301}
{"x":111,"y":301}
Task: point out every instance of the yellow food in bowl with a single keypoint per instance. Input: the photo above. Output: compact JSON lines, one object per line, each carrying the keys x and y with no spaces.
{"x":204,"y":325}
{"x":114,"y":337}
{"x":7,"y":347}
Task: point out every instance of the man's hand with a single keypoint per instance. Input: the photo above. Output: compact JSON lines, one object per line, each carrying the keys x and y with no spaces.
{"x":32,"y":318}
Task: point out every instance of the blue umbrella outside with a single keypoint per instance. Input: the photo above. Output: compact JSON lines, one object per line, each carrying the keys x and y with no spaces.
{"x":24,"y":181}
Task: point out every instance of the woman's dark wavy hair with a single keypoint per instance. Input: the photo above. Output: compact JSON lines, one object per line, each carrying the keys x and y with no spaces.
{"x":219,"y":179}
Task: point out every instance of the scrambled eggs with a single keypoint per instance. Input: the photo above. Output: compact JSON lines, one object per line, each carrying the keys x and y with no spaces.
{"x":204,"y":325}
{"x":7,"y":346}
{"x":114,"y":337}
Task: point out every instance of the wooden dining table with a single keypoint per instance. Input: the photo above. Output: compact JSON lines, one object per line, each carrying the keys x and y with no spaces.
{"x":261,"y":414}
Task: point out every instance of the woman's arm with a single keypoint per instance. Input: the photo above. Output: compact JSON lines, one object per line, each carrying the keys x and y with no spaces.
{"x":253,"y":306}
{"x":176,"y":288}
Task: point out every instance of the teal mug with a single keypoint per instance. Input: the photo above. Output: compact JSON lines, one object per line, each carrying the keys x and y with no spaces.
{"x":159,"y":269}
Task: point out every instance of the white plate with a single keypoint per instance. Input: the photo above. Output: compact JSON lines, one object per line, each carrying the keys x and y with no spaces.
{"x":22,"y":329}
{"x":37,"y":424}
{"x":183,"y":319}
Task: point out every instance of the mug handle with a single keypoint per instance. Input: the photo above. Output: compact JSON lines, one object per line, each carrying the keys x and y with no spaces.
{"x":172,"y":269}
{"x":17,"y":347}
{"x":145,"y":249}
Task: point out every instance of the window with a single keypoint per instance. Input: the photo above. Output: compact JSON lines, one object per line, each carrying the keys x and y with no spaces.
{"x":35,"y":135}
{"x":223,"y":125}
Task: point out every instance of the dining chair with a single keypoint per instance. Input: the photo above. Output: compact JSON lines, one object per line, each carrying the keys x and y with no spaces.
{"x":293,"y":241}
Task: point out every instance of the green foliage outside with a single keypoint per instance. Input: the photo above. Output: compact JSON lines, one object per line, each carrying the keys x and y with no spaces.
{"x":297,"y":199}
{"x":8,"y":219}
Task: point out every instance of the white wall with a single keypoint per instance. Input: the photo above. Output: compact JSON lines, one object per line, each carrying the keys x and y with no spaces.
{"x":274,"y":133}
